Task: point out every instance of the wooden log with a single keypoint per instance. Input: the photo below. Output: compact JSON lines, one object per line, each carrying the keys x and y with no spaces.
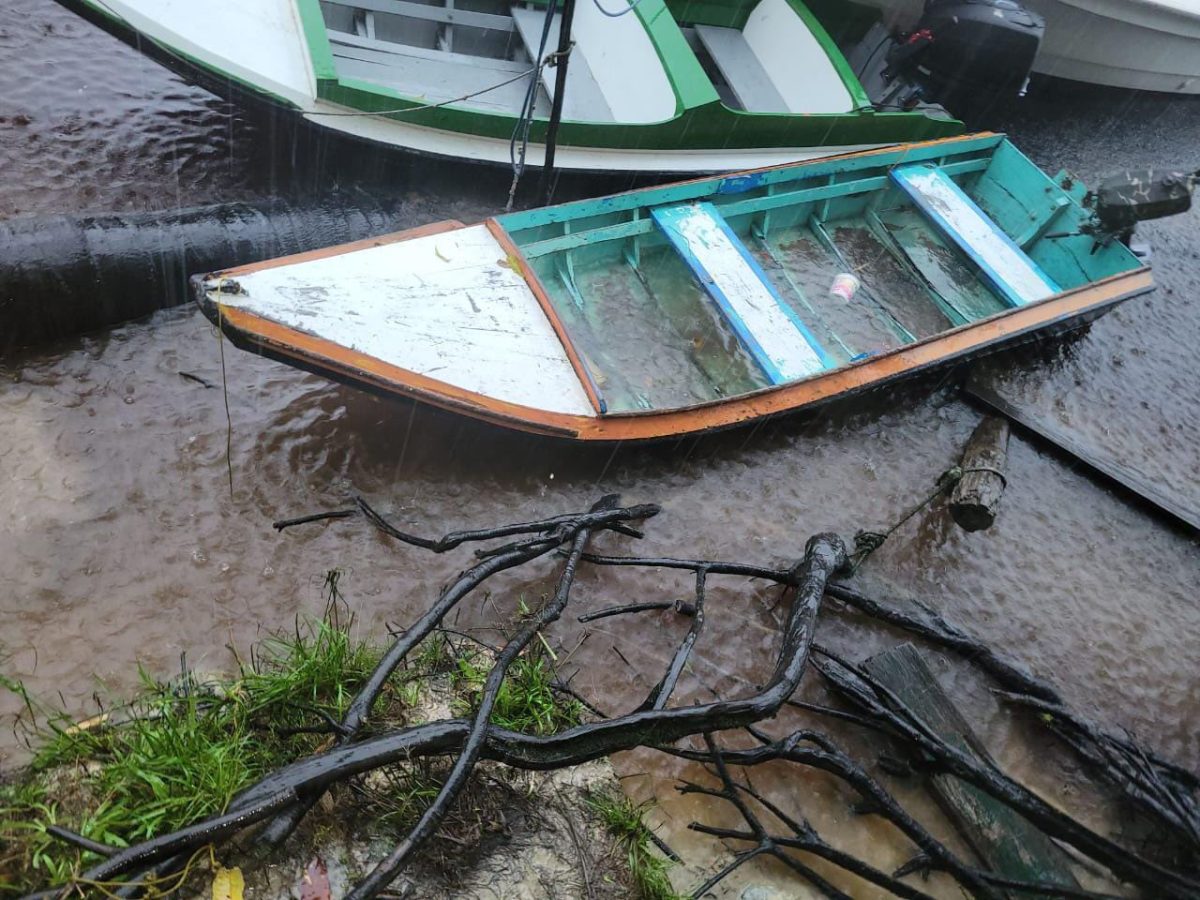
{"x":1006,"y":843}
{"x":976,"y":497}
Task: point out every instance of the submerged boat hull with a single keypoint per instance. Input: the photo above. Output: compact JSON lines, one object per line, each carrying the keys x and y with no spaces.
{"x":558,"y":321}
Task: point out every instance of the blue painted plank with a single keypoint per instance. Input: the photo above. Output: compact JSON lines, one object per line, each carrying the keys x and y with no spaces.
{"x":767,"y":327}
{"x":1015,"y":277}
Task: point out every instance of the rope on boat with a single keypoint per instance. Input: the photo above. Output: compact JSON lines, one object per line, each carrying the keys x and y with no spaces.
{"x":525,"y":119}
{"x":633,"y":4}
{"x":441,"y":103}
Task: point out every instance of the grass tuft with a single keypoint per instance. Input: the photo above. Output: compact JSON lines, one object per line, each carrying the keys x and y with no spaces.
{"x":526,"y":702}
{"x":624,"y":822}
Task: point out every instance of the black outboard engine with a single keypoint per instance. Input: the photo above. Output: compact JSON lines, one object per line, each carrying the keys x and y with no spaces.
{"x":1119,"y":202}
{"x":960,"y":49}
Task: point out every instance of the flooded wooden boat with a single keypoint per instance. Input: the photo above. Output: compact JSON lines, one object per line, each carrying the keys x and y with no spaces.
{"x":701,"y":305}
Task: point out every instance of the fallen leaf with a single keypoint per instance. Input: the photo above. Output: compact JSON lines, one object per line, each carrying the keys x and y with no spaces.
{"x":228,"y":884}
{"x":315,"y":883}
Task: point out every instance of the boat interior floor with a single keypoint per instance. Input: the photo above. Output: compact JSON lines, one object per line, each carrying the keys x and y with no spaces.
{"x":701,"y":308}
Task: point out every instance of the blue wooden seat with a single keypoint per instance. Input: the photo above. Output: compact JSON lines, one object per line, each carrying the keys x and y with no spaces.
{"x":1015,"y":278}
{"x":766,"y":326}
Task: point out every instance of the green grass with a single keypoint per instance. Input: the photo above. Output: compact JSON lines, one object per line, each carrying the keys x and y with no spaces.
{"x":526,"y":701}
{"x":178,"y":752}
{"x":624,"y":822}
{"x":181,"y":751}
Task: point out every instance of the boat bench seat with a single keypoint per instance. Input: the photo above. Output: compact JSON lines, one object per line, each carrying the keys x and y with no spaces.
{"x":429,"y":75}
{"x":776,"y":63}
{"x":768,"y":329}
{"x":583,"y":100}
{"x":1011,"y":274}
{"x":745,"y":75}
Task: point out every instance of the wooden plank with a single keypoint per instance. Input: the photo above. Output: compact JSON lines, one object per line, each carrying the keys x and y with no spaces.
{"x":468,"y":62}
{"x":1008,"y":844}
{"x":740,"y":182}
{"x":742,"y":70}
{"x":1016,"y":277}
{"x":976,"y":497}
{"x":583,"y":100}
{"x":1095,"y":458}
{"x":729,"y":209}
{"x":768,"y":328}
{"x":447,"y":15}
{"x":431,"y":81}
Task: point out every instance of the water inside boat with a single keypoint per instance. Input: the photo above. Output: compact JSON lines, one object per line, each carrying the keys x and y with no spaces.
{"x":676,"y":297}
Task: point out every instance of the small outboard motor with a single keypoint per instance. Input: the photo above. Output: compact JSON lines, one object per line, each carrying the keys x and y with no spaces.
{"x":1121,"y":201}
{"x":961,"y":48}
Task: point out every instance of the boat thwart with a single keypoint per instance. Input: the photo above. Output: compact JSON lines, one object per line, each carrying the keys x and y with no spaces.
{"x":680,"y":309}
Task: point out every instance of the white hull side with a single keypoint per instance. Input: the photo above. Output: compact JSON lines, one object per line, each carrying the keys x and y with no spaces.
{"x":448,"y":306}
{"x":1146,"y":46}
{"x":474,"y":148}
{"x":260,"y":42}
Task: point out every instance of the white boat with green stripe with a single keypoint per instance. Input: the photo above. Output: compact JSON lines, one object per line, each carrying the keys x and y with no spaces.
{"x":672,"y":86}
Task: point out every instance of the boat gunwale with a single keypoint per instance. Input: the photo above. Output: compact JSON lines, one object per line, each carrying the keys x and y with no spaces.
{"x":324,"y":357}
{"x":764,"y":131}
{"x":695,"y":95}
{"x":748,"y":179}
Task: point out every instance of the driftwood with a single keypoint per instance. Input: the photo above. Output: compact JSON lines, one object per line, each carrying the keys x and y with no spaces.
{"x":281,"y":798}
{"x":976,"y":497}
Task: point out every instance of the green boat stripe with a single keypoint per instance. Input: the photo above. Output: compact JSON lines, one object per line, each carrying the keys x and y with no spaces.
{"x":691,"y":86}
{"x":317,"y":37}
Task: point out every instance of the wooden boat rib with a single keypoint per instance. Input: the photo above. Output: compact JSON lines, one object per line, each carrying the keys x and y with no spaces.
{"x":691,"y":307}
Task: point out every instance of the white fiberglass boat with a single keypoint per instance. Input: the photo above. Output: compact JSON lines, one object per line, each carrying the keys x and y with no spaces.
{"x":1149,"y":45}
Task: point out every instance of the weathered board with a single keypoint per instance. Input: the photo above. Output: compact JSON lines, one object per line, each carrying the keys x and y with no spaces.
{"x":1172,"y":503}
{"x":768,"y":328}
{"x":1013,"y":275}
{"x":1004,"y":841}
{"x":451,"y":306}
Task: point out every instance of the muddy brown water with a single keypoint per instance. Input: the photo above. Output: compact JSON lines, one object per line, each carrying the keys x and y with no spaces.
{"x":121,"y":543}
